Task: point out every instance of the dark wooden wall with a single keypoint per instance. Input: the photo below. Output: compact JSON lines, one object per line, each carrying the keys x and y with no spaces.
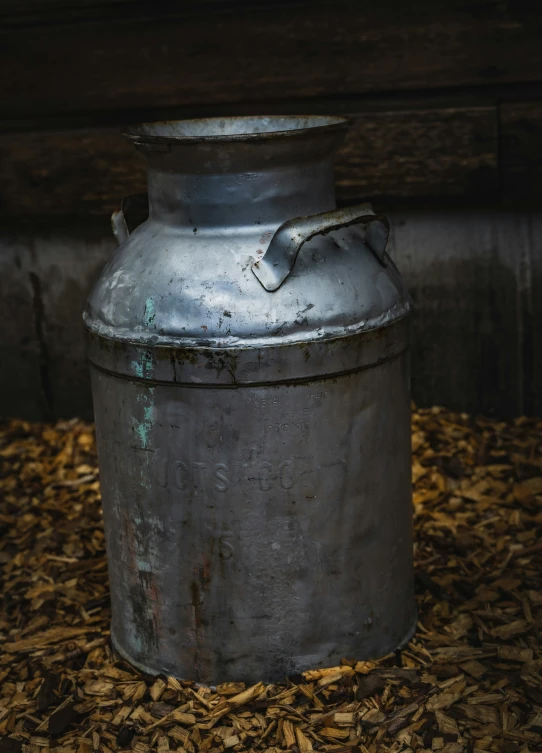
{"x":447,"y":101}
{"x":447,"y":95}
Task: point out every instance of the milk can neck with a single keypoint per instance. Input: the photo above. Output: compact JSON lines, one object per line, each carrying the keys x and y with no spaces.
{"x":224,"y":198}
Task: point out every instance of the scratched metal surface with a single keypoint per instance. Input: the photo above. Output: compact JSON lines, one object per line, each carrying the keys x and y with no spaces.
{"x":258,"y":531}
{"x":254,"y":445}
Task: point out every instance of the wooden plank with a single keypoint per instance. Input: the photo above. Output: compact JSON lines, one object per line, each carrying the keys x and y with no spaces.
{"x":305,"y":51}
{"x":521,"y":151}
{"x":46,"y":272}
{"x":73,"y":172}
{"x":23,"y":392}
{"x":67,"y":262}
{"x":448,"y":152}
{"x":529,"y":239}
{"x":464,"y":272}
{"x":50,"y":12}
{"x":436,"y":153}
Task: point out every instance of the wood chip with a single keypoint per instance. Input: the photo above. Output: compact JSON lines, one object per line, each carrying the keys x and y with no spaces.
{"x":474,"y":669}
{"x":446,"y":725}
{"x":518,"y":627}
{"x":334,"y":733}
{"x":330,"y":679}
{"x":41,"y":640}
{"x":157,"y":689}
{"x":442,"y":701}
{"x":303,"y":742}
{"x":230,"y":688}
{"x":515,"y":654}
{"x":247,"y":695}
{"x":317,"y":674}
{"x":344,"y":718}
{"x":289,"y":733}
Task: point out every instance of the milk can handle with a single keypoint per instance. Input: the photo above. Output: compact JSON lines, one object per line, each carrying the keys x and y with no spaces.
{"x":279,"y":259}
{"x":119,"y":226}
{"x":133,"y":211}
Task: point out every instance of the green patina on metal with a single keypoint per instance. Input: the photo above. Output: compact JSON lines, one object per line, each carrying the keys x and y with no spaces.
{"x":149,"y":413}
{"x":145,"y":366}
{"x":149,"y":313}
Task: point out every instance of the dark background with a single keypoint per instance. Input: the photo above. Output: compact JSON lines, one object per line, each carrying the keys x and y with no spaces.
{"x":447,"y":101}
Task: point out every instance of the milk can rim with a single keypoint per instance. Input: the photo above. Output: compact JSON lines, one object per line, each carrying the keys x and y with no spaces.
{"x":299,"y":125}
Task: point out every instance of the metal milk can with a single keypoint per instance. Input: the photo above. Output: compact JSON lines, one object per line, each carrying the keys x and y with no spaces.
{"x":249,"y":356}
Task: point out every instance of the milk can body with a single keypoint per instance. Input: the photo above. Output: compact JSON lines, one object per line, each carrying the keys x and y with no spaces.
{"x":249,"y":357}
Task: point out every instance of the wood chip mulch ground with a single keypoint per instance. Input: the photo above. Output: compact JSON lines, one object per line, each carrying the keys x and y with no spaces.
{"x":470,"y":680}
